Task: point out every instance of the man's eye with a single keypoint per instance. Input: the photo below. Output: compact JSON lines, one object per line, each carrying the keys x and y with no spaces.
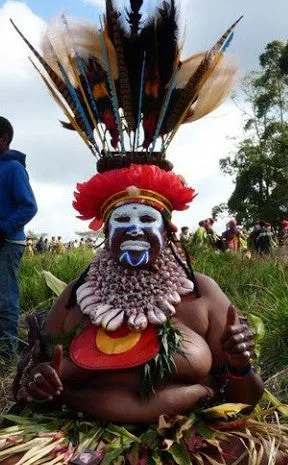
{"x":122,"y":219}
{"x":147,"y":219}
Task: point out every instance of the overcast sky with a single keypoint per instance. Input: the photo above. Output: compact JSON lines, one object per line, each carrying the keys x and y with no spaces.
{"x":57,"y":159}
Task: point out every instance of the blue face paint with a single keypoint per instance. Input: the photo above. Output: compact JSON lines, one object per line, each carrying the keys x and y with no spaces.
{"x":135,"y":234}
{"x":127,"y":258}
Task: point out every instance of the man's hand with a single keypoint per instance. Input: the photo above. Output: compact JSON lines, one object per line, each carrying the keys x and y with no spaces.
{"x":43,"y":382}
{"x":237,"y":341}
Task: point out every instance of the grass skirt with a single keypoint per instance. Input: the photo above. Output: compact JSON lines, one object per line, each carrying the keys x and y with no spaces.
{"x":63,"y":437}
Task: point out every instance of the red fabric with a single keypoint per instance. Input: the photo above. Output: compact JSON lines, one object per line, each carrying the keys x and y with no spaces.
{"x":85,"y":353}
{"x":92,"y":194}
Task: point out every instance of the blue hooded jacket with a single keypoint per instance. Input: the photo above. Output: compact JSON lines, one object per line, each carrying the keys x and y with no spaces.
{"x":17,"y":201}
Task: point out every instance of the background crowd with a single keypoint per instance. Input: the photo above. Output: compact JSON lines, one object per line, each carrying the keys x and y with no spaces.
{"x":262,"y":238}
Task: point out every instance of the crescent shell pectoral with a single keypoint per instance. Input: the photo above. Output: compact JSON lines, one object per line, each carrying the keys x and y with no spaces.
{"x":111,"y":345}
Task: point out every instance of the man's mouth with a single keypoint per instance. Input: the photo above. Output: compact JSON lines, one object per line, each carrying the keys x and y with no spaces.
{"x":136,"y":245}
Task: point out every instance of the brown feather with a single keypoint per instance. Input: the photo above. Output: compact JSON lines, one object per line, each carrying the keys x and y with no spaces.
{"x":188,"y":95}
{"x":217,"y":87}
{"x":112,"y":25}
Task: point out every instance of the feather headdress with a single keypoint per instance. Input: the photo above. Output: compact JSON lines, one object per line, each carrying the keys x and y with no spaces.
{"x":123,"y":86}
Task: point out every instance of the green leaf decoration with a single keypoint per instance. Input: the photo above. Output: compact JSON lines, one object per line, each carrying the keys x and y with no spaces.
{"x":282,"y":408}
{"x":123,"y":432}
{"x":55,"y":284}
{"x":180,"y":454}
{"x":150,"y":438}
{"x":258,"y":329}
{"x":156,"y":371}
{"x":156,"y":458}
{"x":204,"y":430}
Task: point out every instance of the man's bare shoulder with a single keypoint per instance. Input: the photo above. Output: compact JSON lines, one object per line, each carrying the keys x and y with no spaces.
{"x":206,"y":284}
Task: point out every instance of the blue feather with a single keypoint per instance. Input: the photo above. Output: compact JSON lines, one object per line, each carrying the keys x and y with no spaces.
{"x":165,"y":104}
{"x":74,"y":96}
{"x":137,"y":130}
{"x":113,"y":95}
{"x":228,"y":42}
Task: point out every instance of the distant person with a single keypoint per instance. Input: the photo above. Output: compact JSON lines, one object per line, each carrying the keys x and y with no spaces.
{"x":251,"y":241}
{"x":29,"y":250}
{"x":200,"y":235}
{"x":53,"y":245}
{"x":17,"y":208}
{"x":46,"y":245}
{"x":39,"y":246}
{"x":82,"y":242}
{"x":60,"y":247}
{"x":283,"y":234}
{"x":232,"y":236}
{"x":263,"y":240}
{"x":212,"y":237}
{"x":185,"y":236}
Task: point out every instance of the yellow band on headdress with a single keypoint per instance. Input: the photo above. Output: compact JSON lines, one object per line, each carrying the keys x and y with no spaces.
{"x":144,"y":194}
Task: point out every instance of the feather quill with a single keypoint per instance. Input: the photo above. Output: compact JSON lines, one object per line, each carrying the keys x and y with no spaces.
{"x":65,"y":110}
{"x":75,"y":96}
{"x":188,"y":95}
{"x":82,"y":38}
{"x":57,"y":81}
{"x":113,"y":30}
{"x":78,"y":68}
{"x":113,"y":95}
{"x":214,"y":91}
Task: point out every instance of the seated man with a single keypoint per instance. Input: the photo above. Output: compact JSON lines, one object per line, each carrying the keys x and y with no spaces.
{"x":145,"y":341}
{"x":114,"y":321}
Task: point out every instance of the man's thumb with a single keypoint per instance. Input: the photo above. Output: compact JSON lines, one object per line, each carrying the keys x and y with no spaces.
{"x":231,"y":315}
{"x":57,"y":360}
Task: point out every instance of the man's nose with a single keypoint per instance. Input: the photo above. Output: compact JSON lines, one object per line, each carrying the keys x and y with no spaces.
{"x":135,"y":231}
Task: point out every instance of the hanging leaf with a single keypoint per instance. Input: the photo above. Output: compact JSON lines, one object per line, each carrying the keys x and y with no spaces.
{"x":180,"y":454}
{"x":282,"y":408}
{"x":55,"y":284}
{"x":204,"y":430}
{"x":228,"y":410}
{"x":258,"y":329}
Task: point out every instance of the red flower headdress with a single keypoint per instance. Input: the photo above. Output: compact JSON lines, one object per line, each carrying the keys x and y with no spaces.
{"x":126,"y":91}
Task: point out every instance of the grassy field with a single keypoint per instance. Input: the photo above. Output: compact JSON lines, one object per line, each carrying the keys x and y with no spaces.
{"x":255,"y":286}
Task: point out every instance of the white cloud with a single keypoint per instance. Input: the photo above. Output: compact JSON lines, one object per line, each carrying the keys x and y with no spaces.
{"x":100,"y":3}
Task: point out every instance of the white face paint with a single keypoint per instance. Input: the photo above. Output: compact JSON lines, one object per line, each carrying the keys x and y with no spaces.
{"x":135,"y":233}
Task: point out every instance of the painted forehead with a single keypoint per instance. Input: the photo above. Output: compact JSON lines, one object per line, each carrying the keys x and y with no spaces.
{"x":135,"y":210}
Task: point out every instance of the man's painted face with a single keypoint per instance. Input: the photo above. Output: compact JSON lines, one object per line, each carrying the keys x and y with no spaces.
{"x":135,"y":234}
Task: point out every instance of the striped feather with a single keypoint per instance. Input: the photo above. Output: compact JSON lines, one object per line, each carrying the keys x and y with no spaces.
{"x":113,"y":29}
{"x":82,"y":38}
{"x":217,"y":87}
{"x":57,"y":81}
{"x":65,"y":110}
{"x":188,"y":95}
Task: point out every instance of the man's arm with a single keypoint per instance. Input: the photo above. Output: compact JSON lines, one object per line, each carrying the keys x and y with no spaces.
{"x":226,"y":343}
{"x":124,"y":406}
{"x":24,"y":198}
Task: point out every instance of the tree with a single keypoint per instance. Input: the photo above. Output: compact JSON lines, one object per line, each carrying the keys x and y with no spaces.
{"x":260,"y":166}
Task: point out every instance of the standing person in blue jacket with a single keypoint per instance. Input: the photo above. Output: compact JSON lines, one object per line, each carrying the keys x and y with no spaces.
{"x":17,"y":208}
